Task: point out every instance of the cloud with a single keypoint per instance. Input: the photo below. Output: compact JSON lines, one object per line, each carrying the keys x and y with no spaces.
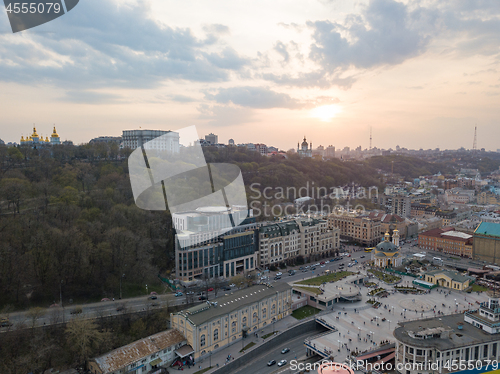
{"x":182,"y":99}
{"x":281,"y":49}
{"x":91,"y":97}
{"x":216,"y":29}
{"x":224,"y":115}
{"x":108,"y":45}
{"x":254,"y":97}
{"x":385,"y":34}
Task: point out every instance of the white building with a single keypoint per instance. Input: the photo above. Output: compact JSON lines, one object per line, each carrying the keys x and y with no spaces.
{"x":156,"y":139}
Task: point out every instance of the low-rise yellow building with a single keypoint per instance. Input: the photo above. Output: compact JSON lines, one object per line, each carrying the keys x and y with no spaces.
{"x":214,"y":325}
{"x":449,"y":279}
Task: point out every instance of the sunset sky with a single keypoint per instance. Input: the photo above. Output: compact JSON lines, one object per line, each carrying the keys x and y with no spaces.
{"x":422,"y":74}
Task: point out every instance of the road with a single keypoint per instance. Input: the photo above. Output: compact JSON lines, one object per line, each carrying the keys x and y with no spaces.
{"x":259,"y":364}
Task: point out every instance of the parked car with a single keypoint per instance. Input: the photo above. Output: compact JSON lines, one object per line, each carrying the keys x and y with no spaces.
{"x":153,"y":293}
{"x":226,"y":288}
{"x":322,"y":266}
{"x":313,"y":268}
{"x":153,"y":297}
{"x":271,"y":363}
{"x":322,"y":262}
{"x":202,"y":298}
{"x":210,"y":289}
{"x":179,"y":293}
{"x":277,"y":277}
{"x":232,"y":285}
{"x":279,"y":274}
{"x":362,"y":256}
{"x":282,"y":363}
{"x":285,"y":350}
{"x":77,"y":310}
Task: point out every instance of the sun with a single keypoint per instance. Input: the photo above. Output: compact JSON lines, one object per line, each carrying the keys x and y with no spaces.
{"x":326,"y":112}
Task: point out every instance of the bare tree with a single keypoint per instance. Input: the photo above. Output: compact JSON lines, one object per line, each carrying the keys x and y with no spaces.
{"x":34,"y":314}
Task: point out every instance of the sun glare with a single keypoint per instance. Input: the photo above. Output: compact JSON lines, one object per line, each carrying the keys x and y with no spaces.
{"x":326,"y":112}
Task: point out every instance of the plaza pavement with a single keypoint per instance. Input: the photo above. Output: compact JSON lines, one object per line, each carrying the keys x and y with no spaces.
{"x":364,"y":327}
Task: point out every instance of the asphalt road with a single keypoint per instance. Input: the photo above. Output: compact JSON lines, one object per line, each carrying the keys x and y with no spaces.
{"x":259,"y":364}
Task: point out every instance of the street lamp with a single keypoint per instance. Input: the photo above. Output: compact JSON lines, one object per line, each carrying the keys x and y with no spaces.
{"x":121,"y":285}
{"x":339,"y":345}
{"x":210,"y":353}
{"x":146,"y":289}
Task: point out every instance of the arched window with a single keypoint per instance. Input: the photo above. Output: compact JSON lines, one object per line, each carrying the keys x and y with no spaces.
{"x":202,"y":341}
{"x":264,"y":313}
{"x":216,"y":334}
{"x":273,"y":309}
{"x":255,"y":317}
{"x":233,"y":326}
{"x":244,"y":321}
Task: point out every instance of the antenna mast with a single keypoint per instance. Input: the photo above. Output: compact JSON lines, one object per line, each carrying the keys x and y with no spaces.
{"x":474,"y":145}
{"x":370,"y":138}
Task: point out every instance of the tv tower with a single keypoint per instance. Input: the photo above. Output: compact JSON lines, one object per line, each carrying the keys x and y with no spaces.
{"x":474,"y":145}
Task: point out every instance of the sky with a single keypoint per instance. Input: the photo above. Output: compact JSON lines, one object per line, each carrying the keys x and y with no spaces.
{"x":420,"y":74}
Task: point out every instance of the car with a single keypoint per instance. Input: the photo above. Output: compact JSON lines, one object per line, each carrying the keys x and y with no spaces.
{"x":322,"y":266}
{"x":190,"y":293}
{"x":313,"y":268}
{"x":282,"y":363}
{"x":232,"y":285}
{"x":307,"y":267}
{"x":153,"y":293}
{"x":153,"y":297}
{"x":277,"y":277}
{"x":349,"y":255}
{"x":178,"y":293}
{"x":210,"y":289}
{"x":77,"y":310}
{"x":285,"y":350}
{"x":301,"y":268}
{"x":120,"y":308}
{"x":362,"y":257}
{"x":279,"y":274}
{"x":304,"y":271}
{"x":322,"y":262}
{"x":226,"y":288}
{"x":202,"y":298}
{"x":271,"y":363}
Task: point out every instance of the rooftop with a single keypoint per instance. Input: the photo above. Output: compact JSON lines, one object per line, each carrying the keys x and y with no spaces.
{"x":446,"y":334}
{"x":206,"y":312}
{"x":488,"y":228}
{"x":450,"y":274}
{"x":137,"y":350}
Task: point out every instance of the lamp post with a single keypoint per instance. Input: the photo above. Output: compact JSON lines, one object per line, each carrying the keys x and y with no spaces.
{"x":210,"y":353}
{"x":146,"y":289}
{"x":121,"y":285}
{"x":339,"y":345}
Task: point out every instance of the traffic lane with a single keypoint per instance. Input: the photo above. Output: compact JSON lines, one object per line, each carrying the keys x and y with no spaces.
{"x":259,"y":364}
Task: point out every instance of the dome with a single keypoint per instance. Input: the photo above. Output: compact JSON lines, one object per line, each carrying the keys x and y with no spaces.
{"x":54,"y":133}
{"x":304,"y":143}
{"x":386,"y":246}
{"x":34,"y":135}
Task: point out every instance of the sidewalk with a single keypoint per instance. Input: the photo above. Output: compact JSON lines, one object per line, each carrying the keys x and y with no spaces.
{"x":220,"y":356}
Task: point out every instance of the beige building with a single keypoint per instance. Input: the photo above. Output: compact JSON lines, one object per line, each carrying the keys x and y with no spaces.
{"x":143,"y":355}
{"x":448,"y":279}
{"x":486,"y":244}
{"x":214,"y":325}
{"x":357,"y":228}
{"x":284,"y":241}
{"x":487,"y":198}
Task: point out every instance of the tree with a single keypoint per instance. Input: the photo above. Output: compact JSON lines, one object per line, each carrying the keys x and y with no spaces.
{"x":83,"y":338}
{"x":34,"y":314}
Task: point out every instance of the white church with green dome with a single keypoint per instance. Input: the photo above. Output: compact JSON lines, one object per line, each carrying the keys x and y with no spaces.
{"x":387,"y":253}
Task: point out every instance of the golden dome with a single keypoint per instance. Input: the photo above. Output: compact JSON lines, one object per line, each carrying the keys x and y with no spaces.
{"x":22,"y":138}
{"x":46,"y":139}
{"x":34,"y":135}
{"x":54,"y":133}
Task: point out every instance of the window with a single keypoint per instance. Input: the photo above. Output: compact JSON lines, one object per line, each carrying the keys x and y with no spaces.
{"x":202,"y":340}
{"x":264,"y":313}
{"x":255,"y":317}
{"x":233,"y":326}
{"x":216,"y":334}
{"x":244,"y":321}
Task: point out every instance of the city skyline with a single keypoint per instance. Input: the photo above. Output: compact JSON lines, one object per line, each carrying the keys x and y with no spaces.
{"x":420,"y":75}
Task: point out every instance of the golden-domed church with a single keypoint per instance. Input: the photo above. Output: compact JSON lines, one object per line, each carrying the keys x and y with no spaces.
{"x":304,"y":151}
{"x":34,"y":139}
{"x":387,"y":253}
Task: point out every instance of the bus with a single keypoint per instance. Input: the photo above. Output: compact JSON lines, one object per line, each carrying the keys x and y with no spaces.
{"x":437,"y":260}
{"x":369,"y":249}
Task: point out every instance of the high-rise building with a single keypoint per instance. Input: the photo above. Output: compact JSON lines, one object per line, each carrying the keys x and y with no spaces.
{"x":357,"y":228}
{"x":212,"y":138}
{"x":156,"y":139}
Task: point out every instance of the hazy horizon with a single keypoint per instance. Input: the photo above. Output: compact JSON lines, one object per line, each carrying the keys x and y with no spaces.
{"x":421,"y":74}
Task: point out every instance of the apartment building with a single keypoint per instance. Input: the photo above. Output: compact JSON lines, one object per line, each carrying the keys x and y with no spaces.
{"x":284,"y":241}
{"x":356,"y":228}
{"x":446,"y":240}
